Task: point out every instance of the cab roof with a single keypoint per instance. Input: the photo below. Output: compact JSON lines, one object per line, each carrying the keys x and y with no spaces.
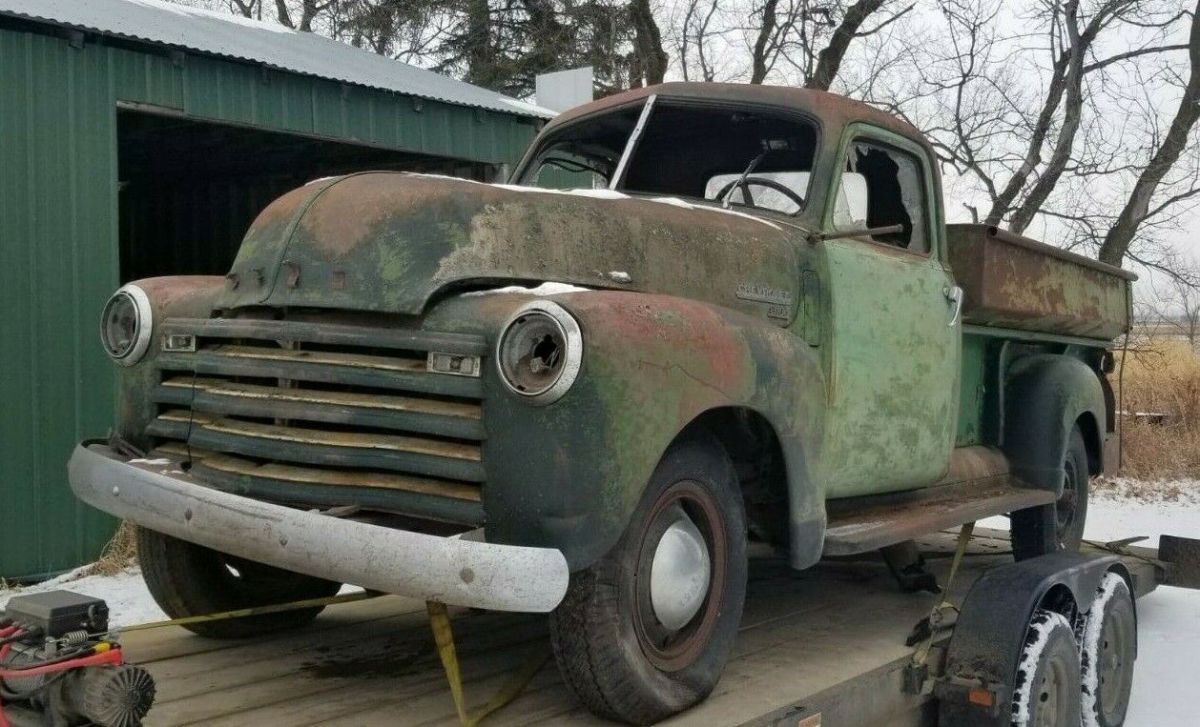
{"x":832,"y":109}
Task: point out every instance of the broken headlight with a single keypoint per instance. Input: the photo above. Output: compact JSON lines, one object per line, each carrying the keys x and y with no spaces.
{"x":125,"y":325}
{"x":539,"y":351}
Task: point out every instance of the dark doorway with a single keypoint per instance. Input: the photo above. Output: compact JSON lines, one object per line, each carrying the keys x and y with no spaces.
{"x":189,"y":189}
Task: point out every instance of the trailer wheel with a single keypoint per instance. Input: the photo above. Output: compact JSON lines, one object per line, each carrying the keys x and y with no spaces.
{"x":1058,"y":526}
{"x":190,"y":580}
{"x":1046,"y":692}
{"x":1108,"y":645}
{"x":645,"y":631}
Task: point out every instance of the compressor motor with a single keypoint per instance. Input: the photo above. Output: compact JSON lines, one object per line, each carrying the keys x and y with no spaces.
{"x":61,"y":666}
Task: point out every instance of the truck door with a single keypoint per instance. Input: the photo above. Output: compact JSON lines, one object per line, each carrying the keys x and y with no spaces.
{"x":894,"y":334}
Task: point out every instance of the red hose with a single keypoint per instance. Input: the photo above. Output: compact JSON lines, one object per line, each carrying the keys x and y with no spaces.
{"x":4,"y":633}
{"x":105,"y":658}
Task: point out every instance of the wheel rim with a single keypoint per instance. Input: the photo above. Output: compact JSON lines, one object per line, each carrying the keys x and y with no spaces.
{"x":1115,"y":664}
{"x":1053,"y":694}
{"x":1065,"y":509}
{"x":673,"y":626}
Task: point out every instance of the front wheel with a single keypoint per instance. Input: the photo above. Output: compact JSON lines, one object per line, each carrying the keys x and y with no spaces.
{"x":645,"y":631}
{"x":189,"y":580}
{"x":1059,"y":525}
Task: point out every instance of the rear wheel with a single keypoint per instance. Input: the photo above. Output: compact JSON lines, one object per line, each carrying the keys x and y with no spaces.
{"x":189,"y":580}
{"x":645,"y":631}
{"x":1108,"y":649}
{"x":1058,"y":526}
{"x":1046,"y":692}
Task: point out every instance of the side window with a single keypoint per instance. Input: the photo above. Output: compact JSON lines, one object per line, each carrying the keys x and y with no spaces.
{"x":881,"y":187}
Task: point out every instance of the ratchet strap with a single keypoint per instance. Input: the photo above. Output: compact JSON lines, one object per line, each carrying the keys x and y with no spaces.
{"x":443,"y":636}
{"x":257,"y":611}
{"x":935,"y":616}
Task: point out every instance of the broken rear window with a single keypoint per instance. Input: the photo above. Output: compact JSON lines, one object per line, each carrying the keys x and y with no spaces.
{"x":685,"y":150}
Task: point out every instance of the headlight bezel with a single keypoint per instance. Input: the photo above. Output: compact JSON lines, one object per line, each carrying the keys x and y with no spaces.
{"x":144,"y":325}
{"x":572,"y":345}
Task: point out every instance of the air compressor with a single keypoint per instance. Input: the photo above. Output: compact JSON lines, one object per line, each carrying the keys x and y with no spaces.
{"x":61,"y":665}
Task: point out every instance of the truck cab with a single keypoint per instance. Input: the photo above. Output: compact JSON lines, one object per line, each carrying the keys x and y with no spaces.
{"x":696,"y":315}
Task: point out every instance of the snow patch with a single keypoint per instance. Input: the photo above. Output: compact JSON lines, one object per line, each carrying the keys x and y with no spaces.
{"x":1111,"y":585}
{"x":1041,"y":627}
{"x":129,"y":602}
{"x":213,"y":15}
{"x":547,"y":288}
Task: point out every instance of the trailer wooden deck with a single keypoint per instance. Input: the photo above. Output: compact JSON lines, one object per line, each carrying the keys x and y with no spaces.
{"x":829,"y":640}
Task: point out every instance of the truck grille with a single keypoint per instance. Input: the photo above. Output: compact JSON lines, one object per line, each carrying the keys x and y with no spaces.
{"x":326,"y":414}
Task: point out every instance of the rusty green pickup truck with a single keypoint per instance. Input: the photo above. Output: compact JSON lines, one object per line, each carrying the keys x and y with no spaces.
{"x":697,"y":315}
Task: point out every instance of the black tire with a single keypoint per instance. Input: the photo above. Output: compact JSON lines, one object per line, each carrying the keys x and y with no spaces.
{"x":1058,"y":526}
{"x":611,"y":647}
{"x":189,"y":580}
{"x":1108,"y":647}
{"x":1046,"y":690}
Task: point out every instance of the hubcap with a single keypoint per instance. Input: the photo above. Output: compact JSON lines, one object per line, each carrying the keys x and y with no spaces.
{"x":679,"y":574}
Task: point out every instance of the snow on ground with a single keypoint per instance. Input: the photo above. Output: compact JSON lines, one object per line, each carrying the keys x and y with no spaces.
{"x":1169,"y":618}
{"x":128,"y":600}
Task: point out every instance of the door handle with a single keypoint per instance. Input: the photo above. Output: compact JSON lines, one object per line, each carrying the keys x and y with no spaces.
{"x":954,"y":295}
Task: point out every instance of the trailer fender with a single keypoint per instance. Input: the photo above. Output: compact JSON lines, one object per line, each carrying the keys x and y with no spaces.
{"x":1045,"y":395}
{"x":985,"y":649}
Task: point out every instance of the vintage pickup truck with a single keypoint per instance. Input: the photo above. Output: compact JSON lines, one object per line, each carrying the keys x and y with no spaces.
{"x":698,"y":315}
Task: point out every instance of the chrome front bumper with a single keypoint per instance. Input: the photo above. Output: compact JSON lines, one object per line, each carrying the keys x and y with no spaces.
{"x":157,"y":495}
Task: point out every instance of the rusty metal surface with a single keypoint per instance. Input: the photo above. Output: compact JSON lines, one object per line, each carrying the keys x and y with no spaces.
{"x":396,"y":240}
{"x":1015,"y":282}
{"x":827,"y":367}
{"x":1183,"y":557}
{"x":865,"y":527}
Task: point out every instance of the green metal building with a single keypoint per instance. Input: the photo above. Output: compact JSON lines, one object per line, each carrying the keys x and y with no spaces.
{"x":139,"y":138}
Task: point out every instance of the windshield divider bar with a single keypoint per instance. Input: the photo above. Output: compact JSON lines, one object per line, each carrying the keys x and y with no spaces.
{"x":631,"y":143}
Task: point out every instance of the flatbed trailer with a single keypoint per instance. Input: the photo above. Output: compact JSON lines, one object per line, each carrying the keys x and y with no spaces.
{"x":823,"y":646}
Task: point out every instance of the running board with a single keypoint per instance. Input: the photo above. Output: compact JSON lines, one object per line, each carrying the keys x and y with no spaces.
{"x":977,"y":486}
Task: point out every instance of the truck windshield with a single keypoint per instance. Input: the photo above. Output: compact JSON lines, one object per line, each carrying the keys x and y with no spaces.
{"x":684,"y":150}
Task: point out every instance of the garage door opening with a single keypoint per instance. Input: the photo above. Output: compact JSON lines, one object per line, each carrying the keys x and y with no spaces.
{"x":189,"y":189}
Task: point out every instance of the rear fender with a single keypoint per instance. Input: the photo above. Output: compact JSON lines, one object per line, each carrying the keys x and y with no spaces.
{"x":570,"y":475}
{"x":992,"y":625}
{"x":1045,"y":395}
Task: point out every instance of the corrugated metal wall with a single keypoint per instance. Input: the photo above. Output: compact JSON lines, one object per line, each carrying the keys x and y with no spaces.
{"x":59,"y":257}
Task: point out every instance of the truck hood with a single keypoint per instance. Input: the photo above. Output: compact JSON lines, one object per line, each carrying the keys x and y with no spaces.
{"x":390,"y":241}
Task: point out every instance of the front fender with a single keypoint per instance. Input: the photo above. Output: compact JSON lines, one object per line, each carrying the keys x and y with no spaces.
{"x":182,"y":296}
{"x":569,"y":475}
{"x":1045,"y":395}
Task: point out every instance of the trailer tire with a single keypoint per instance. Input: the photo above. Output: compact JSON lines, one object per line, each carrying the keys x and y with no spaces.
{"x":617,"y":641}
{"x":1108,"y":647}
{"x":190,"y":580}
{"x":1059,"y":525}
{"x":1046,"y":690}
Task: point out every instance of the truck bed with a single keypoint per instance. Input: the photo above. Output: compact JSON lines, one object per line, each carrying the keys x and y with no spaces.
{"x":1014,"y":282}
{"x":828,"y":640}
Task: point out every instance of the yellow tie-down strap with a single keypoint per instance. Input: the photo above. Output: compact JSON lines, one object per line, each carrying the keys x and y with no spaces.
{"x":443,"y":636}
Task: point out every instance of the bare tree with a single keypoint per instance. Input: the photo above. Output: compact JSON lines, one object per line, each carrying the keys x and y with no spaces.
{"x":1137,"y":208}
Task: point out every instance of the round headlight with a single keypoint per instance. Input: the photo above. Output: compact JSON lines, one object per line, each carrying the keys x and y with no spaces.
{"x":539,"y":351}
{"x":125,"y":325}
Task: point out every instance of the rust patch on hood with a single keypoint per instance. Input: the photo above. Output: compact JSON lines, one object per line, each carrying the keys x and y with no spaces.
{"x":390,"y":242}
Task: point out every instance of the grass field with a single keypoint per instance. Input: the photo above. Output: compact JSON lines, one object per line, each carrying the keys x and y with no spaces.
{"x":1161,"y":375}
